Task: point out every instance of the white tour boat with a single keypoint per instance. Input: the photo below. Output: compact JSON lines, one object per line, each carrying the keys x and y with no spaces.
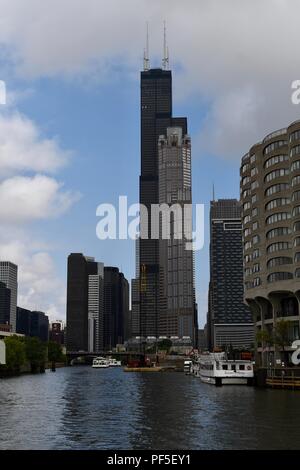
{"x":215,"y":368}
{"x":100,"y":363}
{"x":114,"y":363}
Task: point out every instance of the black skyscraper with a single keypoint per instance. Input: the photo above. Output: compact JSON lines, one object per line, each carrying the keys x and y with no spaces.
{"x":229,"y":319}
{"x":156,"y":116}
{"x":116,"y":307}
{"x":79,"y":268}
{"x":4,"y":304}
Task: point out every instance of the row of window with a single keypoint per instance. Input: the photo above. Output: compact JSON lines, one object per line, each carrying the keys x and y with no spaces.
{"x":278,"y":217}
{"x":278,"y":232}
{"x":277,"y":203}
{"x":274,"y":160}
{"x":276,"y":174}
{"x":274,"y":146}
{"x":280,"y":276}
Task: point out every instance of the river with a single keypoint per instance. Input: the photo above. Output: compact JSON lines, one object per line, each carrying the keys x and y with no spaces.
{"x":84,"y":408}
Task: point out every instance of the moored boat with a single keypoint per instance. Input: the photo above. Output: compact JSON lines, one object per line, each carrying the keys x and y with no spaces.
{"x":100,"y":363}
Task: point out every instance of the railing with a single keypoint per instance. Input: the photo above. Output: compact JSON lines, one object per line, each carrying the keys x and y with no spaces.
{"x":283,"y":377}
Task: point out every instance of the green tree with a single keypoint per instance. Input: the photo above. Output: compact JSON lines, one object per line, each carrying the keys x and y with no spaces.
{"x":36,"y":354}
{"x":265,"y":338}
{"x":15,"y":353}
{"x":165,"y":344}
{"x":281,"y":336}
{"x":55,"y":354}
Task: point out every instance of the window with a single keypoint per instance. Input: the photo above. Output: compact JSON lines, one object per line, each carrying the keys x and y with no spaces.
{"x":296,"y":165}
{"x":276,"y":174}
{"x":278,"y":217}
{"x":247,"y":258}
{"x":297,"y":226}
{"x":245,"y":180}
{"x":248,"y":272}
{"x":256,"y":253}
{"x":277,"y":203}
{"x":245,"y":167}
{"x":242,"y":367}
{"x":295,"y":136}
{"x":255,"y":226}
{"x":252,"y":158}
{"x":256,"y":282}
{"x":254,"y":171}
{"x":225,"y":367}
{"x":279,"y":231}
{"x":254,"y":185}
{"x":282,"y":276}
{"x":247,"y":219}
{"x":276,"y":159}
{"x":296,"y":180}
{"x":297,"y":257}
{"x":276,"y":188}
{"x":279,"y":246}
{"x":280,"y":261}
{"x":255,"y":239}
{"x":296,"y":196}
{"x":246,"y":206}
{"x":295,"y":150}
{"x":297,"y":241}
{"x":274,"y":146}
{"x":254,"y":198}
{"x":296,"y":211}
{"x":256,"y":268}
{"x":254,"y":212}
{"x":297,"y":273}
{"x":247,"y":245}
{"x":246,"y":193}
{"x":247,"y":232}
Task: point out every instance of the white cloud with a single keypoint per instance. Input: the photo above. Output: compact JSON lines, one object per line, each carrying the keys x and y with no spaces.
{"x":234,"y":54}
{"x":24,"y":199}
{"x":39,"y":286}
{"x":22,"y":147}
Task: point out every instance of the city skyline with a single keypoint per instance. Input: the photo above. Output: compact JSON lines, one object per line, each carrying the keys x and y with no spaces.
{"x":56,"y":99}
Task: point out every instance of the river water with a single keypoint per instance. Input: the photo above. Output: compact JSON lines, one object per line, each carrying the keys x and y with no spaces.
{"x":84,"y":408}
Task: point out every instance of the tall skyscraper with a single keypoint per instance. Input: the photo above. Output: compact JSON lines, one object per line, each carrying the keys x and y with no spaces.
{"x":156,"y":117}
{"x":177,"y":295}
{"x":95,"y":309}
{"x":34,"y":324}
{"x":4,"y":304}
{"x":9,"y":277}
{"x":116,"y":307}
{"x":79,"y":269}
{"x":229,"y":319}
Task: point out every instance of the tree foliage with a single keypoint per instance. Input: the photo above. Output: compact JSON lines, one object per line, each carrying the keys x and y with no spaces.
{"x":15,"y":353}
{"x":36,"y":353}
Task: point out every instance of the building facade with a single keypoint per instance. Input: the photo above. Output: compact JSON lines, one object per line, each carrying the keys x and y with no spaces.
{"x":177,"y":294}
{"x":32,"y":323}
{"x":156,"y":116}
{"x":80,"y":268}
{"x":116,"y":307}
{"x":9,"y":277}
{"x":96,"y":309}
{"x":4,"y":304}
{"x":229,"y":319}
{"x":270,"y":196}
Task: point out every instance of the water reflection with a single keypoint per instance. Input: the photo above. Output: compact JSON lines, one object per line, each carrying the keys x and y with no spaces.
{"x":85,"y":408}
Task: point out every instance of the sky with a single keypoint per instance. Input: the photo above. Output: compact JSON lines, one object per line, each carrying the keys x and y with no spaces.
{"x":70,"y":131}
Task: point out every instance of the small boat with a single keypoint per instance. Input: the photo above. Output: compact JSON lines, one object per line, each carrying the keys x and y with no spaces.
{"x":216,"y":369}
{"x":100,"y":363}
{"x":187,"y":365}
{"x":114,"y":363}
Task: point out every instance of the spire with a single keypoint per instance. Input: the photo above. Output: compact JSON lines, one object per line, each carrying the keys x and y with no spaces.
{"x":165,"y":61}
{"x":146,"y":50}
{"x":213,"y":190}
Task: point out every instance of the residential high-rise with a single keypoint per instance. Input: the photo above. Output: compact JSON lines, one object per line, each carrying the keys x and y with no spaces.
{"x":156,"y":117}
{"x":9,"y":277}
{"x":270,"y":196}
{"x":79,"y":269}
{"x":229,"y":319}
{"x":177,"y":294}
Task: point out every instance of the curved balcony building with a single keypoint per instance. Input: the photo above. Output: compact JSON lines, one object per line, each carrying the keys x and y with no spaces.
{"x":270,"y":198}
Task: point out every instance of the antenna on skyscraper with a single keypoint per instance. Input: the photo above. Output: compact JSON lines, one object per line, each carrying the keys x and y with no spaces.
{"x":146,"y":50}
{"x":213,"y":188}
{"x":165,"y":61}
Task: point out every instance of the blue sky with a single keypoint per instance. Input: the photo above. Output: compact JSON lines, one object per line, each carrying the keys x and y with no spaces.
{"x":70,"y":133}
